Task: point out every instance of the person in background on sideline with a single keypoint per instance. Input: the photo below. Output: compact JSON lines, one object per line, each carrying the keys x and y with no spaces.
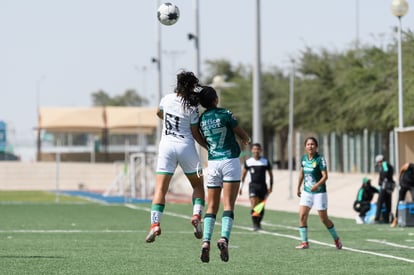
{"x":406,"y":184}
{"x":219,"y":128}
{"x":364,"y":197}
{"x":179,"y":111}
{"x":386,"y":184}
{"x":257,"y":166}
{"x":313,"y":175}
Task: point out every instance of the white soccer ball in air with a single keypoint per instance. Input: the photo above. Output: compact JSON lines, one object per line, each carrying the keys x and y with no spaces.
{"x":168,"y":14}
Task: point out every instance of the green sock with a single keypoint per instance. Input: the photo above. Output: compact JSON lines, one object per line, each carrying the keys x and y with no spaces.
{"x":227,"y":224}
{"x":333,"y":232}
{"x":209,"y":221}
{"x":303,"y":231}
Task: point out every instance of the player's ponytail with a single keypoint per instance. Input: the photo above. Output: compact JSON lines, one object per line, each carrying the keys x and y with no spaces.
{"x":187,"y":84}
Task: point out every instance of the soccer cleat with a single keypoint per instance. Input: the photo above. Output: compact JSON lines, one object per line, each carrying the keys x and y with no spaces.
{"x":359,"y":220}
{"x":257,"y":227}
{"x":155,"y":230}
{"x":303,"y":245}
{"x":205,"y":252}
{"x":196,"y":222}
{"x":224,"y":249}
{"x":338,"y":243}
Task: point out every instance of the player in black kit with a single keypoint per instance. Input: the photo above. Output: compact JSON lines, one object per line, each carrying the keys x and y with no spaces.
{"x":257,"y":166}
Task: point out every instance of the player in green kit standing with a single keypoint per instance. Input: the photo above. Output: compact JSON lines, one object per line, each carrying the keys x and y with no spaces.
{"x":313,"y":175}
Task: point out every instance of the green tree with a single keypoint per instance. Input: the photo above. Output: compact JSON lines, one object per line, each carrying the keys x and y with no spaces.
{"x":275,"y":90}
{"x":129,"y":98}
{"x":341,"y":92}
{"x":316,"y":95}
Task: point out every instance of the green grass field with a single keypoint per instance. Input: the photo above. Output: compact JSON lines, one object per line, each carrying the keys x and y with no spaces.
{"x":39,"y":236}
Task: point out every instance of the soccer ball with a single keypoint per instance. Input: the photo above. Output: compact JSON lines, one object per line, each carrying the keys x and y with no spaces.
{"x":168,"y":14}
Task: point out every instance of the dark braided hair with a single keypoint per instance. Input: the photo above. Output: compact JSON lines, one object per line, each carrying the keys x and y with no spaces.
{"x":186,"y":83}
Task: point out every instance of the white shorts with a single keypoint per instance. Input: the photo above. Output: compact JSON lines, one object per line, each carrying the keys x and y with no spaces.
{"x":170,"y":154}
{"x":320,"y":200}
{"x":220,"y":171}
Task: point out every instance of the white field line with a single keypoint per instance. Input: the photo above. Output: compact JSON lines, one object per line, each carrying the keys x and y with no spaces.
{"x":70,"y":231}
{"x":287,"y":236}
{"x":61,"y":231}
{"x":390,"y":244}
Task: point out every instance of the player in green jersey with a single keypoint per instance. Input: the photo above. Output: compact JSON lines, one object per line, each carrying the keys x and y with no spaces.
{"x":313,"y":175}
{"x":219,"y":128}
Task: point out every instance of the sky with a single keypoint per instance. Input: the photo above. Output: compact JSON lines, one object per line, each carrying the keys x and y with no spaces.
{"x":56,"y":53}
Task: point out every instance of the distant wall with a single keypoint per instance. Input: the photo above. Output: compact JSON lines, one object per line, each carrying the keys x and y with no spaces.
{"x":97,"y":177}
{"x":83,"y":157}
{"x":43,"y":175}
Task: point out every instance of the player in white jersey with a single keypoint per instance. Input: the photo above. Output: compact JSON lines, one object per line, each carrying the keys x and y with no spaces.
{"x":179,"y":112}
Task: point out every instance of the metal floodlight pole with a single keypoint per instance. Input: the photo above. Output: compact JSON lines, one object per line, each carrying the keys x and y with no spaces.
{"x":159,"y":70}
{"x":290,"y":135}
{"x":357,"y":23}
{"x":38,"y":135}
{"x":400,"y":80}
{"x":257,"y":114}
{"x":399,"y":8}
{"x":197,"y":37}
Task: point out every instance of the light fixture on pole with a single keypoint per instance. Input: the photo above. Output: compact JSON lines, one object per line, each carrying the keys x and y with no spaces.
{"x":399,"y":8}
